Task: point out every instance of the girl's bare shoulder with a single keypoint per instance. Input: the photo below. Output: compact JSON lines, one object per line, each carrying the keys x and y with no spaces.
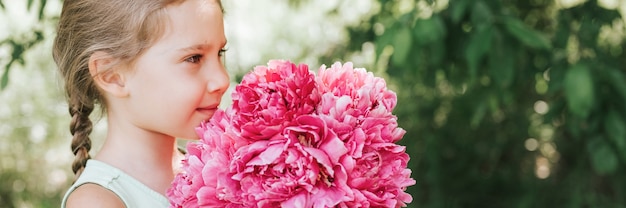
{"x":93,"y":195}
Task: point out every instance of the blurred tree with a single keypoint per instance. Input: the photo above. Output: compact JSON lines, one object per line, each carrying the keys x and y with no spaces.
{"x":33,"y":150}
{"x":18,"y":44}
{"x":506,"y":103}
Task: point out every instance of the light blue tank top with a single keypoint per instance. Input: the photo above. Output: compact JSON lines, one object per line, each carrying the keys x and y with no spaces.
{"x":133,"y":193}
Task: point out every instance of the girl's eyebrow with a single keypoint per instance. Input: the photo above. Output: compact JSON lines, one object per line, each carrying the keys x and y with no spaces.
{"x":200,"y":47}
{"x":197,"y":47}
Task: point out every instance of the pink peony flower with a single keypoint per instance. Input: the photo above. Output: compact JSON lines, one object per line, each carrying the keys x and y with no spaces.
{"x":366,"y":92}
{"x":269,"y":97}
{"x":356,"y":97}
{"x":183,"y":193}
{"x":292,"y":139}
{"x":379,"y":177}
{"x":299,"y":166}
{"x":204,"y":182}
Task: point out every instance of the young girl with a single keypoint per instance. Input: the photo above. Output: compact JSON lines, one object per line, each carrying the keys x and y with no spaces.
{"x":154,"y":67}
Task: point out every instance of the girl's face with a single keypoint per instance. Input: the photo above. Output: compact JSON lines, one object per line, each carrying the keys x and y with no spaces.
{"x":180,"y":80}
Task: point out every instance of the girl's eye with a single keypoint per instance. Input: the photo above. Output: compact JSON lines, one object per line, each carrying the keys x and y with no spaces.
{"x":194,"y":59}
{"x":222,"y":52}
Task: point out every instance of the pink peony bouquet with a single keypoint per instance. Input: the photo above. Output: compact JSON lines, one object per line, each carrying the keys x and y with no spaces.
{"x":296,"y":139}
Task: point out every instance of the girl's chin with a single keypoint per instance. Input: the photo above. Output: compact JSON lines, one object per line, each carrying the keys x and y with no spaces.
{"x":195,"y":137}
{"x":189,"y":136}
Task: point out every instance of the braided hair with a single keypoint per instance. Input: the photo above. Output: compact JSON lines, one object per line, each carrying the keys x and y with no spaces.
{"x":120,"y":28}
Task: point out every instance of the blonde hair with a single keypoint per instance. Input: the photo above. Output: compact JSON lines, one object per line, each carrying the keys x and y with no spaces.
{"x":121,"y":28}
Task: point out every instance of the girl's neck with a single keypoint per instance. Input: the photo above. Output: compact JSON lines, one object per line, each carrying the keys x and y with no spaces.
{"x":149,"y":157}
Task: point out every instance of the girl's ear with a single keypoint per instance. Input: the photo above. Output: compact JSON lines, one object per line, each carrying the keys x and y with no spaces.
{"x":107,"y":77}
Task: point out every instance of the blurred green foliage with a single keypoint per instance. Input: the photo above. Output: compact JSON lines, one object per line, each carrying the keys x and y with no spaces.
{"x":33,"y":116}
{"x":19,"y":44}
{"x":505,"y":103}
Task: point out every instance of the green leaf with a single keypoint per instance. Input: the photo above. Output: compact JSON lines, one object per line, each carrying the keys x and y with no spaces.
{"x":603,"y":158}
{"x":437,"y":52}
{"x":5,"y":78}
{"x":615,"y":128}
{"x":563,"y":32}
{"x":429,"y":30}
{"x":574,"y":127}
{"x":29,"y":4}
{"x":402,"y":44}
{"x":479,"y":114}
{"x":478,"y":45}
{"x":2,"y":5}
{"x":383,"y":41}
{"x":526,"y":35}
{"x":589,"y":29}
{"x":579,"y":90}
{"x":18,"y":50}
{"x":481,"y":13}
{"x":458,"y":9}
{"x":20,"y":60}
{"x":38,"y":36}
{"x":616,"y":80}
{"x":42,"y":7}
{"x":501,"y":62}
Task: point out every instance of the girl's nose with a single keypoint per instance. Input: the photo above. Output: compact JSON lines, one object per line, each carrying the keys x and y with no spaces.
{"x":218,"y":79}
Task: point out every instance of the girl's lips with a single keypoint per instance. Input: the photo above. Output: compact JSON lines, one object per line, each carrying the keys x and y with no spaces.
{"x":210,"y":110}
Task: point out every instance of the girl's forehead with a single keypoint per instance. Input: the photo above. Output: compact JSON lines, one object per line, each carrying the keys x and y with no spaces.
{"x":192,"y":22}
{"x":198,"y":5}
{"x":205,"y":10}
